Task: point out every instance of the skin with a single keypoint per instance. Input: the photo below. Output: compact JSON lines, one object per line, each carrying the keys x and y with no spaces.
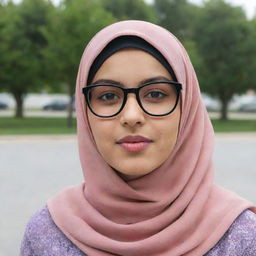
{"x":130,"y":67}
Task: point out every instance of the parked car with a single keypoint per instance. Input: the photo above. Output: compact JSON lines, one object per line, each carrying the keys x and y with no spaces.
{"x":211,"y":104}
{"x":248,"y":107}
{"x":56,"y":105}
{"x":3,"y":105}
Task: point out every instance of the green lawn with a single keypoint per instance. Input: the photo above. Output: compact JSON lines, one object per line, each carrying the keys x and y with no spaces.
{"x":234,"y":125}
{"x":42,"y":125}
{"x":35,"y":125}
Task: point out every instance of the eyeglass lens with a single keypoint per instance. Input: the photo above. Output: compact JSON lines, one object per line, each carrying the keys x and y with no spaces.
{"x":156,"y":99}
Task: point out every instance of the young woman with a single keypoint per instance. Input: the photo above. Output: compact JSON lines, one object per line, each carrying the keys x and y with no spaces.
{"x":145,"y":143}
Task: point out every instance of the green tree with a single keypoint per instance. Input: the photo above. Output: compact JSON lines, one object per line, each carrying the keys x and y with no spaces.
{"x":251,"y":64}
{"x":130,"y":9}
{"x":178,"y":16}
{"x":73,"y":24}
{"x":20,"y":48}
{"x":222,"y":39}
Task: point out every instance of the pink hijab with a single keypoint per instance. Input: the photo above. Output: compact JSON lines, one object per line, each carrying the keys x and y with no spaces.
{"x":176,"y":209}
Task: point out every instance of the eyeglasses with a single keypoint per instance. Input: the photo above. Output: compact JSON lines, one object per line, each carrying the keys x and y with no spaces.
{"x":155,"y":98}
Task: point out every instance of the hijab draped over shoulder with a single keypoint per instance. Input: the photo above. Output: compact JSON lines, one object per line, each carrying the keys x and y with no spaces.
{"x":174,"y":210}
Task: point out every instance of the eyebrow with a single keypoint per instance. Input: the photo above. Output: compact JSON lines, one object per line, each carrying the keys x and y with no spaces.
{"x":107,"y":81}
{"x":155,"y":79}
{"x":148,"y":80}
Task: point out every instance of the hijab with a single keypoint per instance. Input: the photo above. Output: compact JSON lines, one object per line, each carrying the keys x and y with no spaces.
{"x":123,"y":42}
{"x":174,"y":210}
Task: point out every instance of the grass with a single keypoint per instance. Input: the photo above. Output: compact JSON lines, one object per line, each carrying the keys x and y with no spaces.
{"x":235,"y":125}
{"x":58,"y":125}
{"x":35,"y":125}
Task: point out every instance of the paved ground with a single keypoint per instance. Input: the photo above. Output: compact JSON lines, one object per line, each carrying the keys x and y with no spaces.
{"x":33,"y":168}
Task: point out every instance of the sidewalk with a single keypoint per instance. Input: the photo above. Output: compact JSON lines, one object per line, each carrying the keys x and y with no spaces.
{"x":38,"y":137}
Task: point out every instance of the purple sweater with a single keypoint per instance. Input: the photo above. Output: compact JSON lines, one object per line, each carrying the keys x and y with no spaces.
{"x":43,"y":238}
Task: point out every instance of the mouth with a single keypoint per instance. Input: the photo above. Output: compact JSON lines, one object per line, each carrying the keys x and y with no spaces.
{"x":134,"y":143}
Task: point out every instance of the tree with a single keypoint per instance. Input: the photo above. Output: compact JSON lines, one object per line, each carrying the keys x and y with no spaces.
{"x":222,"y":40}
{"x":251,"y":64}
{"x":130,"y":9}
{"x":20,"y":48}
{"x":73,"y":23}
{"x":178,"y":16}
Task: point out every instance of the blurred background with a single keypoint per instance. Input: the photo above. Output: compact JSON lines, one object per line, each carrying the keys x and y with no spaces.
{"x":41,"y":43}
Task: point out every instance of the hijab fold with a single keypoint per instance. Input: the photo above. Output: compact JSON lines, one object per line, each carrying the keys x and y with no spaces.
{"x":174,"y":210}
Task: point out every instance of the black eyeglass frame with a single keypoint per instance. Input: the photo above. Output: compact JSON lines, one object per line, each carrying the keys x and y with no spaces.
{"x":136,"y":91}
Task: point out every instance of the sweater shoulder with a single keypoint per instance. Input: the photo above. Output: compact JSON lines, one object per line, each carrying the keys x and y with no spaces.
{"x":43,"y":238}
{"x":240,"y":238}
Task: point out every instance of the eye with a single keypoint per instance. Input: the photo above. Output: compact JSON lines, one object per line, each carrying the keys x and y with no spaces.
{"x":155,"y":95}
{"x":108,"y":96}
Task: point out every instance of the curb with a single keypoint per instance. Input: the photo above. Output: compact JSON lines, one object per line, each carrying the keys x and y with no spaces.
{"x":236,"y":135}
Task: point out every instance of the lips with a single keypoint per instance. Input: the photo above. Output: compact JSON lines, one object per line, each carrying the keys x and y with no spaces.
{"x":134,"y":143}
{"x":133,"y":139}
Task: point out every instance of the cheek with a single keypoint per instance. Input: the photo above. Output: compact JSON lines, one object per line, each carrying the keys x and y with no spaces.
{"x":168,"y":132}
{"x":102,"y":131}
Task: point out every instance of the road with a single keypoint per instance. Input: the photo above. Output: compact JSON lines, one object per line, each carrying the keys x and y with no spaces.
{"x":33,"y":168}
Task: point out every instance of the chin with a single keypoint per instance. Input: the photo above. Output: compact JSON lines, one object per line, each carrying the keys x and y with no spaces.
{"x":135,"y":173}
{"x":128,"y":177}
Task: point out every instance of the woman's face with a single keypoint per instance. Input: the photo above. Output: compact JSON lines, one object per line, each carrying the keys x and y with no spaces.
{"x":134,"y":156}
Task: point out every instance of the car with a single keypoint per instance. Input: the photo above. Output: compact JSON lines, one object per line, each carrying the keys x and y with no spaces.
{"x":248,"y":107}
{"x":56,"y":105}
{"x":3,"y":105}
{"x":211,"y":104}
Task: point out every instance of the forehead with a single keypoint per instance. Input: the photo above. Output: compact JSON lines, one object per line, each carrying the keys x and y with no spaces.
{"x":131,"y":65}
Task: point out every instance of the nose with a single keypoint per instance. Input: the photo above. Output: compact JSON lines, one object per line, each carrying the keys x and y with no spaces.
{"x":132,"y":115}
